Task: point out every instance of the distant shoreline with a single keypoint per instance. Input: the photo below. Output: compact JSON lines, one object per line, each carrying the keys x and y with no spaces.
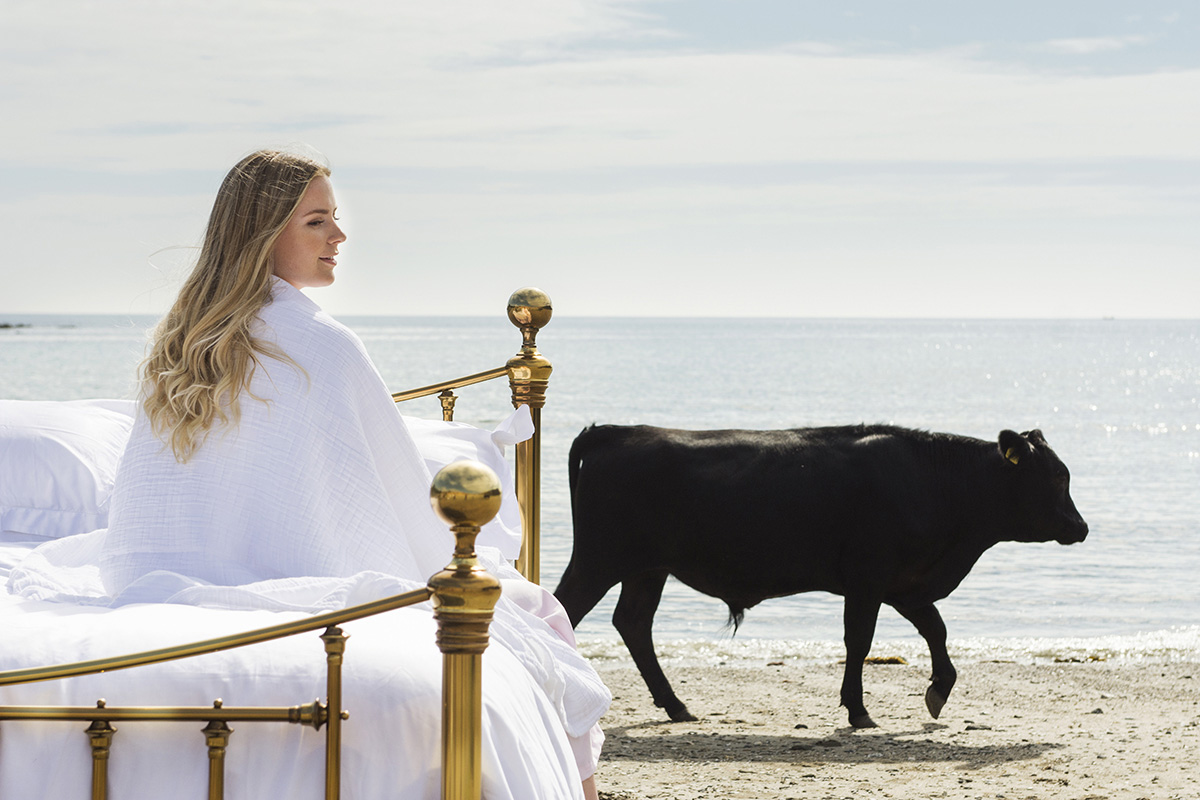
{"x":350,"y":318}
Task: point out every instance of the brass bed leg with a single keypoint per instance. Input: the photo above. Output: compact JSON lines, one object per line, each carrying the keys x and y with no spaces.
{"x":529,"y":468}
{"x":528,"y":377}
{"x":216,"y":733}
{"x":100,"y":734}
{"x":335,"y":647}
{"x":465,"y":494}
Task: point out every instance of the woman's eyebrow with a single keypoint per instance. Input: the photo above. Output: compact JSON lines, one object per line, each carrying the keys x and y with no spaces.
{"x":316,"y":211}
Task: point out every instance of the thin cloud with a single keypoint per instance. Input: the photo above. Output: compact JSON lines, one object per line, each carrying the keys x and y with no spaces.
{"x":1090,"y":46}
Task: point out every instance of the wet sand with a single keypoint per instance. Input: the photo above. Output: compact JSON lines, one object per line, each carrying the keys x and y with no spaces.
{"x":1077,"y":731}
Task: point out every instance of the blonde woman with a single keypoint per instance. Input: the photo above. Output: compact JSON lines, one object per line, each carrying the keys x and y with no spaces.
{"x":269,"y":447}
{"x":269,"y":467}
{"x":205,"y":350}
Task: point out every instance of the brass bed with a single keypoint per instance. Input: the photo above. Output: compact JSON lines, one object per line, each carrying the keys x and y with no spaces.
{"x":466,"y":495}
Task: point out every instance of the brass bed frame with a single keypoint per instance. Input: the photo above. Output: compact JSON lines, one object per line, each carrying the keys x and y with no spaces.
{"x":466,"y":495}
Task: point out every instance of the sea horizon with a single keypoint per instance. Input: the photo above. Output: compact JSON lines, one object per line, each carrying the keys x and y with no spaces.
{"x":41,"y":317}
{"x":1119,"y":401}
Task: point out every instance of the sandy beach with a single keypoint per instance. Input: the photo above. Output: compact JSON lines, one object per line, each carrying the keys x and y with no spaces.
{"x":1083,"y":731}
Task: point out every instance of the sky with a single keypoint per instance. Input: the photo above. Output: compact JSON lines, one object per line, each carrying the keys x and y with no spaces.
{"x":784,"y":158}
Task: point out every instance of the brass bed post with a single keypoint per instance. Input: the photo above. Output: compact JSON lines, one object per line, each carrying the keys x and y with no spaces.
{"x":447,"y":399}
{"x":465,"y":494}
{"x":528,"y":377}
{"x":216,"y":735}
{"x":335,"y":649}
{"x":100,"y":733}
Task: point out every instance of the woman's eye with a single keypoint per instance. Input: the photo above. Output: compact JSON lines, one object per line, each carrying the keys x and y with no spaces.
{"x":316,"y":222}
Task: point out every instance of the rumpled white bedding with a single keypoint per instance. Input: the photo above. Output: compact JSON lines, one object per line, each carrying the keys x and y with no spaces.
{"x":317,"y":500}
{"x":392,"y":681}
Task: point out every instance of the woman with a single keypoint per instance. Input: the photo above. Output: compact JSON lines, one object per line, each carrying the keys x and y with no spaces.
{"x":270,"y":467}
{"x":270,"y":447}
{"x":204,"y":348}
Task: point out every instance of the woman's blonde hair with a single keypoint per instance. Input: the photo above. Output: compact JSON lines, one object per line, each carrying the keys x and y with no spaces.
{"x":203,"y":354}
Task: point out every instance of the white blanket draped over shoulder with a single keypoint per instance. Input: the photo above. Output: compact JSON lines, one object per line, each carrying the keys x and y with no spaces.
{"x":317,"y":500}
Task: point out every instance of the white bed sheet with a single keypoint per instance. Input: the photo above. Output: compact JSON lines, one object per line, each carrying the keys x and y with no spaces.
{"x":391,"y":743}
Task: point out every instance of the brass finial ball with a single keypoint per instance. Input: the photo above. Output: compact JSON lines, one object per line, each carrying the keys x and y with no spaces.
{"x":465,"y":493}
{"x":529,"y":307}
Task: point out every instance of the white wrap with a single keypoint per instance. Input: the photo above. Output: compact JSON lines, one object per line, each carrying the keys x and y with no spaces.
{"x":318,"y":499}
{"x":322,"y":479}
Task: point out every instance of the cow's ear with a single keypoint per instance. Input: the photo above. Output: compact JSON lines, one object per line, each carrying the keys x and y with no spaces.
{"x":1013,"y":445}
{"x":1035,"y":437}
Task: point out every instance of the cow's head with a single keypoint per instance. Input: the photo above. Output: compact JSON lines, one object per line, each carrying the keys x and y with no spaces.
{"x":1042,"y":508}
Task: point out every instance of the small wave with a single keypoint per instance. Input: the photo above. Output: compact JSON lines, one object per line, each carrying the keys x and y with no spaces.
{"x":1177,"y":644}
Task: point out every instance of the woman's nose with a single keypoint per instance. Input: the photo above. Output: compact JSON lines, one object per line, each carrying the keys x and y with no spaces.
{"x":339,"y":235}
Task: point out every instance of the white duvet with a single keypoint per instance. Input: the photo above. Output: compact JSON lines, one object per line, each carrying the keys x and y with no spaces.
{"x":392,"y":682}
{"x":317,"y":500}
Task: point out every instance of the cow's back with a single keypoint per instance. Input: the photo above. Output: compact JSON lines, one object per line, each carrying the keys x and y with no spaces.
{"x":770,"y":508}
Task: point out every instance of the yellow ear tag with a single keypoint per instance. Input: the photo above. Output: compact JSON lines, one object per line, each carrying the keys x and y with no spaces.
{"x":1011,"y":456}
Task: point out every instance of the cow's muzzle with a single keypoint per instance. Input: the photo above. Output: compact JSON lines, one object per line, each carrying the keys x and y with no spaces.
{"x":1075,"y":532}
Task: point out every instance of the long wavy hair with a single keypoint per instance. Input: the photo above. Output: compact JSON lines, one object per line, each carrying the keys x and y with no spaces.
{"x":203,"y":354}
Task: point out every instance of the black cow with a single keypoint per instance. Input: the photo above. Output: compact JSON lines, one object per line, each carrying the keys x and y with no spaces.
{"x":875,"y":513}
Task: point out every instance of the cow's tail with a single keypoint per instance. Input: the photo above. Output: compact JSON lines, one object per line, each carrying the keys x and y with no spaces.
{"x":736,"y":615}
{"x":574,"y":461}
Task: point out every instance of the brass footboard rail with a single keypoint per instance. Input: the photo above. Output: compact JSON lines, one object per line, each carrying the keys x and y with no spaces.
{"x":528,"y":377}
{"x":465,"y":494}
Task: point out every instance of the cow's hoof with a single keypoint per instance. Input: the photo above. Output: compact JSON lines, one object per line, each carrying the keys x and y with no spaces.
{"x":681,"y":714}
{"x":934,"y":701}
{"x":863,"y":721}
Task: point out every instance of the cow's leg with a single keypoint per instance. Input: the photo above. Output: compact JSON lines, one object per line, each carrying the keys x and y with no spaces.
{"x":860,"y":613}
{"x":929,"y":624}
{"x":634,"y":619}
{"x":579,"y":591}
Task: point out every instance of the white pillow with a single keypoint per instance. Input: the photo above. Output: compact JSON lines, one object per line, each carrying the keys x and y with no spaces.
{"x":57,"y":463}
{"x":441,"y":443}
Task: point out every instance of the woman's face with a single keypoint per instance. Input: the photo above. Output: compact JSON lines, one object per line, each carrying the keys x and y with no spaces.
{"x":306,"y":251}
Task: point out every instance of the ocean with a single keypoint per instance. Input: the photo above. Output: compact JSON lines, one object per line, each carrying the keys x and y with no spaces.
{"x":1119,"y":401}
